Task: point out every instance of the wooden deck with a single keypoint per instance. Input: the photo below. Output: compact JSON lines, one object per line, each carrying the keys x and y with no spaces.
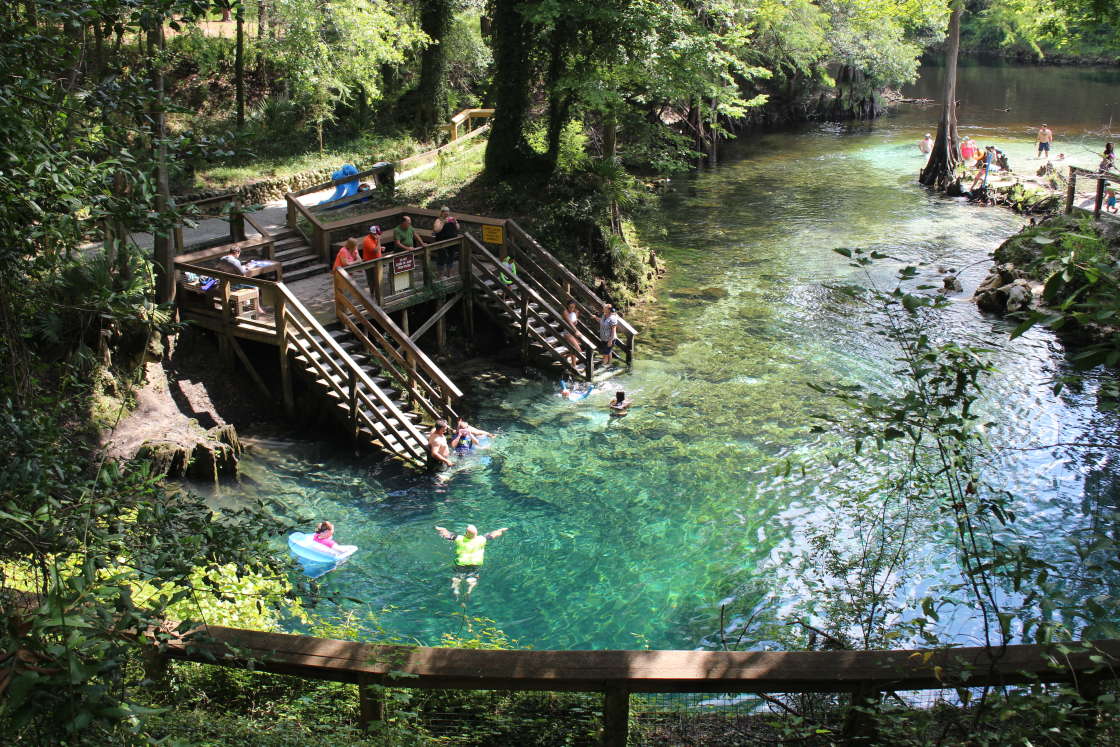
{"x":353,"y":335}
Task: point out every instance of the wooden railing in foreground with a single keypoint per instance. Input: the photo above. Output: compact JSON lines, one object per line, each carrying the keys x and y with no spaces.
{"x":863,"y":674}
{"x":395,"y":352}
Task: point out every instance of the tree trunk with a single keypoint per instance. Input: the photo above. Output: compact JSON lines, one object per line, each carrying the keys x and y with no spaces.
{"x":939,"y":170}
{"x":239,"y":65}
{"x":559,"y":102}
{"x":262,"y":18}
{"x":163,"y":254}
{"x":431,"y":106}
{"x":507,"y":153}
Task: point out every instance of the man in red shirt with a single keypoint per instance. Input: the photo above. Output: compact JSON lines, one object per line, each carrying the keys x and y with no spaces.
{"x":371,"y":245}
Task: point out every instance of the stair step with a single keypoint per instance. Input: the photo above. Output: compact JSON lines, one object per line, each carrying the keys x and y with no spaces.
{"x":293,"y":252}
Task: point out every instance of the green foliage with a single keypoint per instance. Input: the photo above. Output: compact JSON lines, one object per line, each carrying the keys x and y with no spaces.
{"x":573,"y":145}
{"x":1040,"y":29}
{"x":1082,"y":285}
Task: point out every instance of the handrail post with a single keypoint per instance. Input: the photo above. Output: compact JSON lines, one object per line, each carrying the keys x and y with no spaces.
{"x":429,"y":277}
{"x":371,"y":702}
{"x":590,"y":364}
{"x":410,"y":360}
{"x":378,"y":283}
{"x":466,"y":267}
{"x":354,"y":402}
{"x":1098,"y":199}
{"x":1071,"y":191}
{"x":524,"y":326}
{"x":616,"y":717}
{"x":292,"y":219}
{"x":629,"y":348}
{"x":282,"y":339}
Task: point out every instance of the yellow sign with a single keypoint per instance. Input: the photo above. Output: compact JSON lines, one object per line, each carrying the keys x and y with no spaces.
{"x":493,"y":235}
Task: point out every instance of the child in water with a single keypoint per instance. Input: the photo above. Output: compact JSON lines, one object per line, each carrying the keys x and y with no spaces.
{"x":620,"y":404}
{"x":467,"y":436}
{"x":324,"y":534}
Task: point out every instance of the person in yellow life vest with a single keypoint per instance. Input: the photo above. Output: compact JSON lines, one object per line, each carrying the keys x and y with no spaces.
{"x":470,"y":548}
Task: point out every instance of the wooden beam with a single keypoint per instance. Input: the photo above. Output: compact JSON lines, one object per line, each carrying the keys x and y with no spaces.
{"x":285,"y":364}
{"x":616,"y":717}
{"x":435,"y":317}
{"x":648,"y":671}
{"x":249,"y":367}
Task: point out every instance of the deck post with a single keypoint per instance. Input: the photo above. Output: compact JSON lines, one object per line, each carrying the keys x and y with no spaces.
{"x":441,"y":333}
{"x":467,"y":274}
{"x":236,"y":222}
{"x":1098,"y":200}
{"x":353,"y":403}
{"x":859,"y":725}
{"x":616,"y":717}
{"x":378,"y":283}
{"x":292,"y":219}
{"x":224,"y":350}
{"x":1071,"y":191}
{"x":429,"y":278}
{"x":524,"y":326}
{"x":590,"y":364}
{"x":629,"y":348}
{"x":282,"y":343}
{"x":371,"y":703}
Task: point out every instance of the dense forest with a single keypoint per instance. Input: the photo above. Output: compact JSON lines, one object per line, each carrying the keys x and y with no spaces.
{"x":110,"y":111}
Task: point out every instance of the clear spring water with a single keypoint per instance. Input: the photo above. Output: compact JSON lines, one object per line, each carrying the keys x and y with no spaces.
{"x":628,"y":532}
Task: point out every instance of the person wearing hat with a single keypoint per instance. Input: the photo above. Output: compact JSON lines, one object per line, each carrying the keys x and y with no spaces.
{"x":371,"y":245}
{"x":926,"y":144}
{"x":1045,"y":137}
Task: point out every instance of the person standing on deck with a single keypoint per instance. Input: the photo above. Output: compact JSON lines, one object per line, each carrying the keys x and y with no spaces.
{"x":405,"y":236}
{"x":446,"y":226}
{"x":608,"y":333}
{"x":371,"y":244}
{"x":470,"y":550}
{"x":1045,"y":137}
{"x":925,"y":145}
{"x":347,"y":255}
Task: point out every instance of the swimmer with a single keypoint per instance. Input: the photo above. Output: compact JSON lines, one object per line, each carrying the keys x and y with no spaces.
{"x":925,"y":145}
{"x":620,"y":404}
{"x":437,"y":445}
{"x":470,"y":549}
{"x":466,"y":437}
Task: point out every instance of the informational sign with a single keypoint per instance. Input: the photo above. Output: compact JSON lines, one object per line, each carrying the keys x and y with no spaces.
{"x":402,"y":271}
{"x":493,"y":234}
{"x":404,"y":263}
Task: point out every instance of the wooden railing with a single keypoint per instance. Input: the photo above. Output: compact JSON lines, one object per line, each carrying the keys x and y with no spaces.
{"x":863,"y":674}
{"x":517,"y":296}
{"x":558,"y":283}
{"x":468,"y":116}
{"x":394,"y":351}
{"x":295,"y":330}
{"x":1101,"y":179}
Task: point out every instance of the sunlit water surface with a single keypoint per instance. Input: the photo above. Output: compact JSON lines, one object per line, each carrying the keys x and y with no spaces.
{"x":629,"y":532}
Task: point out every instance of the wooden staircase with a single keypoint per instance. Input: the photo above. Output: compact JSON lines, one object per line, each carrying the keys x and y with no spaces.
{"x":363,"y":399}
{"x":296,"y":256}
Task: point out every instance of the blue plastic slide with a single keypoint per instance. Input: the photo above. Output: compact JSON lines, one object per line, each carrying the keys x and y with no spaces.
{"x":346,"y":189}
{"x":315,"y":557}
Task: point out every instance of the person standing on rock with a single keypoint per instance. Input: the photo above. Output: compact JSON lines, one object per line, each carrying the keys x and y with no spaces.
{"x":1045,"y":137}
{"x":470,"y":551}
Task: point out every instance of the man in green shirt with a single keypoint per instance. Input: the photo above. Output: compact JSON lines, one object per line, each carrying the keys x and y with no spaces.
{"x":405,"y":236}
{"x":470,"y":547}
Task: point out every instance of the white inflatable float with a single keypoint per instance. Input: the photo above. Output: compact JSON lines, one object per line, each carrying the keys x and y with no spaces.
{"x":315,"y":557}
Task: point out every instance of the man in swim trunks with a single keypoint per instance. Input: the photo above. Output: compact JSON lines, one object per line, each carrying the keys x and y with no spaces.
{"x":1045,"y":137}
{"x":470,"y":550}
{"x":437,"y":445}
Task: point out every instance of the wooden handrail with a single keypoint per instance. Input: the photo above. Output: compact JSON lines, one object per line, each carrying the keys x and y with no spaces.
{"x":528,"y":296}
{"x":375,"y":169}
{"x":560,"y":269}
{"x":443,"y":390}
{"x":646,"y":671}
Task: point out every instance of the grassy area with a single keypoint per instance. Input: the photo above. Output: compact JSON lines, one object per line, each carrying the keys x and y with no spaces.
{"x":253,"y":164}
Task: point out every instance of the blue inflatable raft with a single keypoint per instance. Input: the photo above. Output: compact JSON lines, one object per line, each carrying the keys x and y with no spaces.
{"x":315,"y":557}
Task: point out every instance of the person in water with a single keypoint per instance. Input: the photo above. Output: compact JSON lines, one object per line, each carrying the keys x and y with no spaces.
{"x":437,"y":444}
{"x":470,"y":550}
{"x":575,"y":391}
{"x":620,"y":404}
{"x":324,"y":535}
{"x":925,"y":145}
{"x":1045,"y":138}
{"x":467,"y":436}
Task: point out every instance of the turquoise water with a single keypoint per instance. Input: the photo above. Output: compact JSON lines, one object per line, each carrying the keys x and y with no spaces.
{"x":629,"y":532}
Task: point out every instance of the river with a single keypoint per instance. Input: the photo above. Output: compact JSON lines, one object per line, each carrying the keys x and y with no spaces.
{"x":629,"y":532}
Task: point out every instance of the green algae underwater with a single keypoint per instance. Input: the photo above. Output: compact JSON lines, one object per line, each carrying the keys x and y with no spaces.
{"x":630,"y":532}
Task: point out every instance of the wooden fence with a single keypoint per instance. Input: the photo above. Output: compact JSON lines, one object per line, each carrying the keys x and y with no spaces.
{"x":617,"y":674}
